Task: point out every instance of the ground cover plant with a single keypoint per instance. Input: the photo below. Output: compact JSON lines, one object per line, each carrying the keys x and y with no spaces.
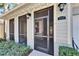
{"x":13,"y":49}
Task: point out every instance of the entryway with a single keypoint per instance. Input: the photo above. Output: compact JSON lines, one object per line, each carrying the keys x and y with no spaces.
{"x":11,"y":29}
{"x":23,"y":29}
{"x":43,"y":36}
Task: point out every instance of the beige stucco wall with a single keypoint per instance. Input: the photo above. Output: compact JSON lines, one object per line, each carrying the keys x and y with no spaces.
{"x":61,"y":27}
{"x":2,"y":31}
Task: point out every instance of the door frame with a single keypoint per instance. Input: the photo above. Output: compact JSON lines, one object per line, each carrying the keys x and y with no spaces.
{"x":48,"y":26}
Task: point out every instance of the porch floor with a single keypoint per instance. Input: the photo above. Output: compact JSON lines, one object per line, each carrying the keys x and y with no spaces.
{"x":38,"y":53}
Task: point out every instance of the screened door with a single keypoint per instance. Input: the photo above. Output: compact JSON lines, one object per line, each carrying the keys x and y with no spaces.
{"x":43,"y":37}
{"x":23,"y":29}
{"x":11,"y":29}
{"x":41,"y":34}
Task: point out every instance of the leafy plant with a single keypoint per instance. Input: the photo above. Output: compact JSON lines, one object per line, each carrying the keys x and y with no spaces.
{"x":1,"y":5}
{"x":1,"y":39}
{"x":67,"y":51}
{"x":13,"y":49}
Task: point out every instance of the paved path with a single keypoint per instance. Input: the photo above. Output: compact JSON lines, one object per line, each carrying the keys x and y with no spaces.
{"x":38,"y":53}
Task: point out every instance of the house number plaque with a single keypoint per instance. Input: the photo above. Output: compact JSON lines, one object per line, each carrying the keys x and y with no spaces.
{"x":61,"y":17}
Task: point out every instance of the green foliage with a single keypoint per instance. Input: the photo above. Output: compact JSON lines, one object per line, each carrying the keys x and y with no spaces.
{"x":67,"y":51}
{"x":1,"y":5}
{"x":1,"y":39}
{"x":13,"y":49}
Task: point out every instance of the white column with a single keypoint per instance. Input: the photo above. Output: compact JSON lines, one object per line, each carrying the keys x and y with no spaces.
{"x":55,"y":38}
{"x":7,"y":29}
{"x":16,"y":34}
{"x":30,"y":31}
{"x":70,"y":24}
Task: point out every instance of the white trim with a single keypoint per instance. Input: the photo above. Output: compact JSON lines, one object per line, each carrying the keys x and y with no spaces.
{"x":43,"y":7}
{"x":16,"y":34}
{"x":33,"y":27}
{"x":41,"y":17}
{"x":69,"y":25}
{"x":7,"y":31}
{"x":55,"y":20}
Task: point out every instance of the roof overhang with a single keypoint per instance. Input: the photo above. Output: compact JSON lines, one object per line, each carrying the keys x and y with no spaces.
{"x":1,"y":16}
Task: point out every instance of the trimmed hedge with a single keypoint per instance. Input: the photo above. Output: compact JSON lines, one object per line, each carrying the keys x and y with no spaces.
{"x":13,"y":49}
{"x":67,"y":51}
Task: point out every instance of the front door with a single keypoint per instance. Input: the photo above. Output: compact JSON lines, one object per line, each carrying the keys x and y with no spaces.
{"x":43,"y":37}
{"x":41,"y":34}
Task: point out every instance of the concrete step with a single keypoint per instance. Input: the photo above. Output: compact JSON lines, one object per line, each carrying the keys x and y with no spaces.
{"x":38,"y":53}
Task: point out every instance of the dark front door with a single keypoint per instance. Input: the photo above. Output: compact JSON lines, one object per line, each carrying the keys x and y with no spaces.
{"x":11,"y":29}
{"x":43,"y":37}
{"x":23,"y":29}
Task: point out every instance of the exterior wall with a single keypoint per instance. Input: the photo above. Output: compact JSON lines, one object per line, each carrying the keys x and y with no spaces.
{"x":2,"y":31}
{"x":61,"y":27}
{"x":30,"y":31}
{"x":63,"y":31}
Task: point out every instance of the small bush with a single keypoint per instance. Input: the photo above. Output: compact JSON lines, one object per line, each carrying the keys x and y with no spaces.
{"x":13,"y":49}
{"x":1,"y":39}
{"x":67,"y":51}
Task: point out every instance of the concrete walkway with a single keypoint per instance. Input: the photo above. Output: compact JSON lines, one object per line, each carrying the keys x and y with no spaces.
{"x":38,"y":53}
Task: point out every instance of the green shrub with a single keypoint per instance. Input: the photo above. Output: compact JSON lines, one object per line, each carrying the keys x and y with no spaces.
{"x":1,"y":39}
{"x":13,"y":49}
{"x":67,"y":51}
